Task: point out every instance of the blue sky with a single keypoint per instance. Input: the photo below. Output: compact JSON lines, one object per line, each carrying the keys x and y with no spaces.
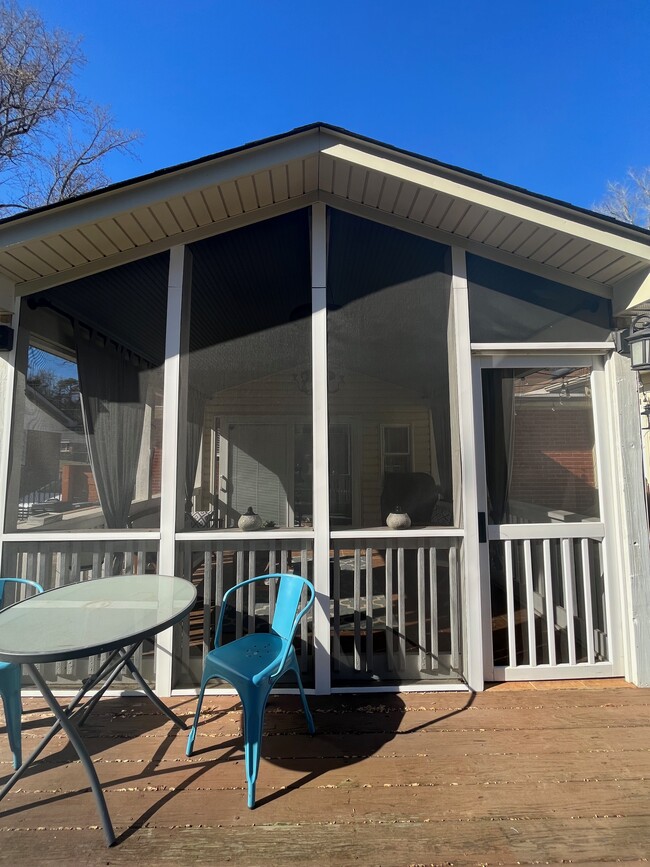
{"x":552,"y":96}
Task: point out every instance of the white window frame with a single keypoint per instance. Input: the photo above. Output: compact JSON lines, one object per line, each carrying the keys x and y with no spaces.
{"x":382,"y":432}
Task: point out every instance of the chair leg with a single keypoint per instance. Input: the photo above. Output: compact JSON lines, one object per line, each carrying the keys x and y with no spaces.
{"x":254,"y":706}
{"x":192,"y":732}
{"x":13,"y":712}
{"x":310,"y":719}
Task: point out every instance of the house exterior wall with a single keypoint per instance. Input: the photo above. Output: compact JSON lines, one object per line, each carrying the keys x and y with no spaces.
{"x":363,"y":402}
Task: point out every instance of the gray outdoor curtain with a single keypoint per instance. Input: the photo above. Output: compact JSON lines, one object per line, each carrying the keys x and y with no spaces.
{"x":499,"y":428}
{"x":113,"y":390}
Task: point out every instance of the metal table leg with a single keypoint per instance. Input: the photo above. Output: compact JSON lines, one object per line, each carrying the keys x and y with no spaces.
{"x":118,"y":660}
{"x":153,"y":698}
{"x":80,"y":749}
{"x":69,"y":711}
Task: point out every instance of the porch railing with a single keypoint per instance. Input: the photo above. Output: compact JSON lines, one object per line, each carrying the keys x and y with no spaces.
{"x":215,"y":565}
{"x":54,"y":563}
{"x":395,"y":609}
{"x":548,"y":597}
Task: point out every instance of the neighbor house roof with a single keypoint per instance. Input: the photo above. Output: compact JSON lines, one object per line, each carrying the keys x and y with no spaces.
{"x":319,"y":162}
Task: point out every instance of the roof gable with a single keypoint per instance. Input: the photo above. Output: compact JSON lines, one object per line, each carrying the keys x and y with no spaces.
{"x":185,"y":203}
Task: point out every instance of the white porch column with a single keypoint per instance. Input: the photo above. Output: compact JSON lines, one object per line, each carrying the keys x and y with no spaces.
{"x":320,"y":448}
{"x":632,"y":525}
{"x":7,"y":380}
{"x":173,"y":437}
{"x":475,"y":597}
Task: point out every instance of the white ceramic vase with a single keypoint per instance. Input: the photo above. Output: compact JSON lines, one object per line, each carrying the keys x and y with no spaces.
{"x":398,"y":521}
{"x":249,"y":520}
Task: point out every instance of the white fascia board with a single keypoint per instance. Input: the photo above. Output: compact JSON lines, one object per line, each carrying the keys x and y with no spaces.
{"x":501,"y":203}
{"x":442,"y":237}
{"x":114,"y":260}
{"x":631,"y":291}
{"x":7,"y":295}
{"x":147,"y":192}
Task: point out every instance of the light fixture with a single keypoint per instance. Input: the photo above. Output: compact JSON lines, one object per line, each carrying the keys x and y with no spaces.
{"x":645,"y":410}
{"x":635,"y":342}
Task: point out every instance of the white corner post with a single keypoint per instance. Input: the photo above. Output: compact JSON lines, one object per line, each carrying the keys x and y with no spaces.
{"x":320,"y":448}
{"x":173,"y":438}
{"x":633,"y":573}
{"x":475,"y":595}
{"x":7,"y":383}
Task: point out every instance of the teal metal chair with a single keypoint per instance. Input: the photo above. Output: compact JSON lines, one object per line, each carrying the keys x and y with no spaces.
{"x":10,"y":685}
{"x":254,"y":663}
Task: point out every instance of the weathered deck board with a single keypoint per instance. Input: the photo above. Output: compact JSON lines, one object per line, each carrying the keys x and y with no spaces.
{"x":525,"y":775}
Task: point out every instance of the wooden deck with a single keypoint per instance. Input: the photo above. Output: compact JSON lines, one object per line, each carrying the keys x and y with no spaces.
{"x":518,"y":774}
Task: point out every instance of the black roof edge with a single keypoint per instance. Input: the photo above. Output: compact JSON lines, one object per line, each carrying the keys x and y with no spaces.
{"x":342,"y":131}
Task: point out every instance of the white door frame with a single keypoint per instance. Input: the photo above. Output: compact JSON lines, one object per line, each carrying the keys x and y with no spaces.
{"x":603,"y":446}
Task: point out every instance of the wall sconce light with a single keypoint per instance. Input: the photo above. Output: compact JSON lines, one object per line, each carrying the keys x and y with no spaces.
{"x":635,"y":342}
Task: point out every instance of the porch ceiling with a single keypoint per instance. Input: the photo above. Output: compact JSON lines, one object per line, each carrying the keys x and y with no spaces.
{"x":188,"y":202}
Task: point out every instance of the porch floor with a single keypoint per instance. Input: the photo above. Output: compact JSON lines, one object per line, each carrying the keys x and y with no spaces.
{"x":521,"y":773}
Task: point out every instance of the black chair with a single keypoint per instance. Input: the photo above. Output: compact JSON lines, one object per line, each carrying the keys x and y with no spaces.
{"x":414,"y":493}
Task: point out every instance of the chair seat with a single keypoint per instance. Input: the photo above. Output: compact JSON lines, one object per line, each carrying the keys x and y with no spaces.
{"x":245,"y":657}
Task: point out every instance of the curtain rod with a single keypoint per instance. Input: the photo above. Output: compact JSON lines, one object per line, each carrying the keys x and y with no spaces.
{"x":36,"y":303}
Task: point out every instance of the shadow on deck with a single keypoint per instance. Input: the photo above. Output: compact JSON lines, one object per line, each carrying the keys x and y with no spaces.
{"x":513,"y":775}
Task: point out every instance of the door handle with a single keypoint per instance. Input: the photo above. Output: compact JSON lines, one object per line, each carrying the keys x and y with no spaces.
{"x":482,"y":527}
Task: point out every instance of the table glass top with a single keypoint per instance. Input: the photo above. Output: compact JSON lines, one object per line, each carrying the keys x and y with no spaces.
{"x":91,"y":616}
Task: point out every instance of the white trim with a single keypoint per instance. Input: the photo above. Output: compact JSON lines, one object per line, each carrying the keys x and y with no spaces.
{"x":504,"y":360}
{"x":173,"y":440}
{"x":602,"y":530}
{"x":573,"y":530}
{"x":503,"y":203}
{"x":627,"y":558}
{"x":82,"y":536}
{"x":383,"y":427}
{"x":482,"y":508}
{"x":560,"y":671}
{"x":607,"y":494}
{"x":546,"y":348}
{"x":473,"y":589}
{"x":321,"y":506}
{"x":148,"y":191}
{"x":235,"y":535}
{"x":424,"y":687}
{"x":477,"y":248}
{"x":7,"y":387}
{"x":7,"y":295}
{"x":114,"y":260}
{"x":630,"y":291}
{"x":386,"y":533}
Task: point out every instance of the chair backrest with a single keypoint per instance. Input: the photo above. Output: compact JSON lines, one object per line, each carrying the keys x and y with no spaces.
{"x":287,"y":603}
{"x":3,"y":581}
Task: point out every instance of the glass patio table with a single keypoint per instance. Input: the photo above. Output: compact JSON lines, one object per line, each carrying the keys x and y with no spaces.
{"x":104,"y":616}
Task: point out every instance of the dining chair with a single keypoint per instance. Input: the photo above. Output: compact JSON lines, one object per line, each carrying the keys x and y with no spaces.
{"x":254,"y":663}
{"x":10,"y":677}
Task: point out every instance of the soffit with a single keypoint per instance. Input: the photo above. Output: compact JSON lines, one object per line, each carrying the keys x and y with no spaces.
{"x":145,"y":216}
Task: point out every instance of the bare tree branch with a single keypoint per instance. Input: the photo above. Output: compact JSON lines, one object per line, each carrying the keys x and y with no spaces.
{"x":53,"y":143}
{"x":629,"y":201}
